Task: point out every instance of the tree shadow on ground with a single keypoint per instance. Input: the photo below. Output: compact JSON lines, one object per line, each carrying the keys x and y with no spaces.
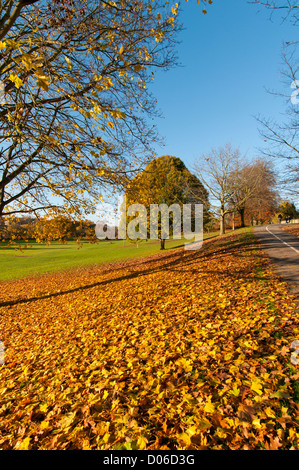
{"x":188,"y":258}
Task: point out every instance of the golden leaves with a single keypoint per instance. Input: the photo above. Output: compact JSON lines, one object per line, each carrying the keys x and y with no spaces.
{"x":144,"y":355}
{"x":16,"y":80}
{"x":43,"y":80}
{"x":27,"y":61}
{"x":23,"y":444}
{"x":256,"y":387}
{"x":159,"y":36}
{"x":209,"y":407}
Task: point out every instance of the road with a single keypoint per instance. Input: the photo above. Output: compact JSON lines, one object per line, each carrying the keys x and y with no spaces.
{"x":283,"y":250}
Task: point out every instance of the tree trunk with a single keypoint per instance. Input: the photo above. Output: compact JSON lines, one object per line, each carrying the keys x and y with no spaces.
{"x":222,"y":222}
{"x":242,"y":215}
{"x":162,"y":246}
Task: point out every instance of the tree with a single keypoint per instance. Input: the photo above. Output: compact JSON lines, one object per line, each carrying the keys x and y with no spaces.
{"x":60,"y":228}
{"x":282,"y":137}
{"x":17,"y":228}
{"x":262,"y":207}
{"x":287,"y":8}
{"x":255,"y":193}
{"x":74,"y":114}
{"x":219,"y":171}
{"x":166,"y":180}
{"x":288,"y":209}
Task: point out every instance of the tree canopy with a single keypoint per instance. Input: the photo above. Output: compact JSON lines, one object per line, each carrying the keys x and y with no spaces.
{"x":166,"y":180}
{"x":256,"y":197}
{"x":288,"y":209}
{"x":75,"y":97}
{"x":219,"y":170}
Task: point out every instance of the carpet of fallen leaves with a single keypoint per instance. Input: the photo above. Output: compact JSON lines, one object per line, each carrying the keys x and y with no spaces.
{"x":181,"y":350}
{"x":293,"y":229}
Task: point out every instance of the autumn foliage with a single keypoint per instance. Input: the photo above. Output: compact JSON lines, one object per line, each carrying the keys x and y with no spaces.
{"x":181,"y":350}
{"x":75,"y":98}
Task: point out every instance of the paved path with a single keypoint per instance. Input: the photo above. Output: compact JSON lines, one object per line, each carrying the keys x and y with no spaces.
{"x":283,"y":250}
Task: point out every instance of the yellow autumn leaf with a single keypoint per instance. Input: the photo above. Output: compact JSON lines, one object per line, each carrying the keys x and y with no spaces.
{"x":269,"y":412}
{"x":16,"y":80}
{"x":235,"y":391}
{"x":256,"y":387}
{"x":44,"y":425}
{"x":185,"y":438}
{"x":27,"y":61}
{"x":43,"y":84}
{"x":43,"y":80}
{"x":256,"y":423}
{"x":209,"y":408}
{"x":220,"y":433}
{"x":141,"y":442}
{"x":24,"y":444}
{"x":67,"y":420}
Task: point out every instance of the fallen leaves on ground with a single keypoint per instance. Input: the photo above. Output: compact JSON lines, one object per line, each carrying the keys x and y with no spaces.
{"x":181,"y":350}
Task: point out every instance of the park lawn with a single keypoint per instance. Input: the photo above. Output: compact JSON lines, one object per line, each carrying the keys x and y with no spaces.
{"x":39,"y":258}
{"x":179,"y":350}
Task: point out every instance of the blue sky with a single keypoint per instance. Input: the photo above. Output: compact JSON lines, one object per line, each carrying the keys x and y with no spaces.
{"x":228,"y":58}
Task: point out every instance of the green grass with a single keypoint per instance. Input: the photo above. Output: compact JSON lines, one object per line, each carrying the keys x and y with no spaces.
{"x":40,"y":258}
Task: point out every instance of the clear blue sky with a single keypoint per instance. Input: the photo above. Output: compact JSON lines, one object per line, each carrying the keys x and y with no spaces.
{"x":228,"y":57}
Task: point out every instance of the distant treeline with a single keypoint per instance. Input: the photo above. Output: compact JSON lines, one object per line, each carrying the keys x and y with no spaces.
{"x":58,"y":228}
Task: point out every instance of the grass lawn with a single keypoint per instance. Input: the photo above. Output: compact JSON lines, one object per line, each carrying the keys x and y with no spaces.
{"x":40,"y":258}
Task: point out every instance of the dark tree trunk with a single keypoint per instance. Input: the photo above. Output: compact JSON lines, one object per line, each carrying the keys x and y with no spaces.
{"x":242,"y":215}
{"x":162,"y":246}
